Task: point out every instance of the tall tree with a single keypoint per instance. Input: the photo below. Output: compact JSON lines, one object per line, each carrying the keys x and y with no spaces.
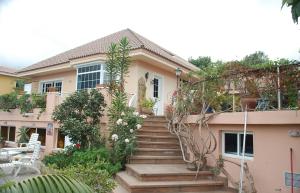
{"x":201,"y":61}
{"x":79,"y":117}
{"x":256,"y":58}
{"x":295,"y":8}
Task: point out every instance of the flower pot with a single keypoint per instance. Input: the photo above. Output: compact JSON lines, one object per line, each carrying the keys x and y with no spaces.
{"x":147,"y":111}
{"x":248,"y":101}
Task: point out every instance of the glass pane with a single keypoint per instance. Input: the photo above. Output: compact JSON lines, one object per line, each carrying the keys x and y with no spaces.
{"x":230,"y":143}
{"x":42,"y":135}
{"x":248,"y":145}
{"x":60,"y":140}
{"x":4,"y":132}
{"x":12,"y":133}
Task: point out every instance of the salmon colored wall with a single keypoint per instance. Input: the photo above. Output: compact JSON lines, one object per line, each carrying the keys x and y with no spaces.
{"x":68,"y":81}
{"x":169,"y":80}
{"x":271,"y":148}
{"x":7,"y":84}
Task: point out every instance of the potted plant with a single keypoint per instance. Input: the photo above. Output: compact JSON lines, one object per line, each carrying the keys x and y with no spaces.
{"x":22,"y":135}
{"x":147,"y":106}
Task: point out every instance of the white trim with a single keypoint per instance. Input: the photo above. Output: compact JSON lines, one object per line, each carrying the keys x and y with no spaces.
{"x":238,"y":156}
{"x":160,"y":92}
{"x":97,"y":62}
{"x":40,"y":89}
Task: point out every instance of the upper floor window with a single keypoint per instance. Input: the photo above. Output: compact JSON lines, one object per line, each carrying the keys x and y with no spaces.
{"x":46,"y":85}
{"x":89,"y":76}
{"x":233,"y":144}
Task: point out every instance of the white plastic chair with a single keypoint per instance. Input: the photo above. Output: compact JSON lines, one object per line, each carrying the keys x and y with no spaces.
{"x":26,"y":161}
{"x":25,"y":147}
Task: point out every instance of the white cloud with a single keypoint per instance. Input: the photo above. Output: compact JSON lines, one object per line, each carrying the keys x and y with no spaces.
{"x":33,"y":30}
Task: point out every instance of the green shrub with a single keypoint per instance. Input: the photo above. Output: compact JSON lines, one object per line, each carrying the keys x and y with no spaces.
{"x":8,"y":101}
{"x":60,"y":160}
{"x":73,"y":156}
{"x":98,"y":179}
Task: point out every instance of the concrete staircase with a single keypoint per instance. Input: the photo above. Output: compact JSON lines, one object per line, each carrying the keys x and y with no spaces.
{"x":157,"y":165}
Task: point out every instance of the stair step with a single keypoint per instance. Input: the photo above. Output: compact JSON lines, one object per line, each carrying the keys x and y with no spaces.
{"x":157,"y":138}
{"x":155,"y":132}
{"x":133,"y":185}
{"x":158,"y":152}
{"x":138,"y":159}
{"x":154,"y":128}
{"x":156,"y":118}
{"x":149,"y":144}
{"x":155,"y":123}
{"x":165,"y":172}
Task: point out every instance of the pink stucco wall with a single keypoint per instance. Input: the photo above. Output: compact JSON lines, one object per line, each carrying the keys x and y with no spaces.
{"x":271,"y":146}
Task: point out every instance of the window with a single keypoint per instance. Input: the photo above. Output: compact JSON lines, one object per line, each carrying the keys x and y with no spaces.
{"x":8,"y":133}
{"x":41,"y":132}
{"x":60,"y":140}
{"x":57,"y":84}
{"x":90,"y":75}
{"x":233,"y":144}
{"x":155,"y":88}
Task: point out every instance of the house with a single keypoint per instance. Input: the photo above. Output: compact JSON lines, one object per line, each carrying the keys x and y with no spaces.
{"x":8,"y":79}
{"x":84,"y":67}
{"x":271,"y":138}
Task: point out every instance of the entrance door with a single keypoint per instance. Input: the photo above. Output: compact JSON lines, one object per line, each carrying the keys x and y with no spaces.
{"x":157,"y":95}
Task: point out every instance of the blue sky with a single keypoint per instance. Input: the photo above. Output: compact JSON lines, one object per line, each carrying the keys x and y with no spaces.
{"x":34,"y":30}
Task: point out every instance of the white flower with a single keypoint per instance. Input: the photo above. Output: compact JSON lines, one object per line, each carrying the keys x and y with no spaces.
{"x":114,"y":137}
{"x":138,"y":126}
{"x":126,"y":140}
{"x":136,"y":113}
{"x":131,"y":130}
{"x":143,"y":116}
{"x":119,"y":121}
{"x":122,"y":113}
{"x":125,"y":123}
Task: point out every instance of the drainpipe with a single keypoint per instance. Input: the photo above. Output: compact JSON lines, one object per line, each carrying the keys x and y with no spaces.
{"x":292,"y":171}
{"x":278,"y":88}
{"x":243,"y":151}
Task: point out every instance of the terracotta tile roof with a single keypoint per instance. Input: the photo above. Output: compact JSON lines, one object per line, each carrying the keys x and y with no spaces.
{"x":7,"y":71}
{"x":100,"y":46}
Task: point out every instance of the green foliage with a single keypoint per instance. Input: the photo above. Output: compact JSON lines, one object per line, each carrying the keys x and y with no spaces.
{"x":295,"y":8}
{"x":117,"y":64}
{"x":112,"y":65}
{"x":25,"y":104}
{"x":123,"y":123}
{"x":49,"y":184}
{"x":22,"y":135}
{"x":38,"y":100}
{"x":8,"y":101}
{"x":257,"y":58}
{"x":19,"y":85}
{"x":79,"y":117}
{"x":99,"y":157}
{"x":148,"y":103}
{"x":98,"y":179}
{"x":201,"y":62}
{"x":123,"y":60}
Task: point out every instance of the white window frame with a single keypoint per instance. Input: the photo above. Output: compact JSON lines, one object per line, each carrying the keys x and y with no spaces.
{"x":102,"y":70}
{"x":8,"y":131}
{"x":238,"y":156}
{"x":50,"y":81}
